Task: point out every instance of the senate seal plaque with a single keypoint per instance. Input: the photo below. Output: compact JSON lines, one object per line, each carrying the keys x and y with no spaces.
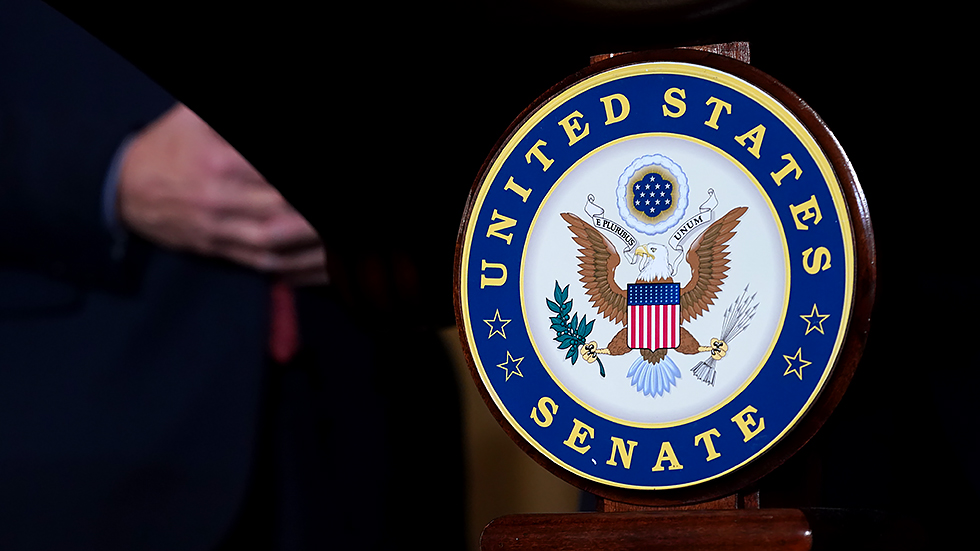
{"x":662,"y":276}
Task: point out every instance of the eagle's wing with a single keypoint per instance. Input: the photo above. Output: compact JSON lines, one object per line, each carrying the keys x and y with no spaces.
{"x":597,"y":266}
{"x":709,"y":262}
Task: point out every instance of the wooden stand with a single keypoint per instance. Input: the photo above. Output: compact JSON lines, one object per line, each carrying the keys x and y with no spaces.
{"x":763,"y":529}
{"x":733,"y":522}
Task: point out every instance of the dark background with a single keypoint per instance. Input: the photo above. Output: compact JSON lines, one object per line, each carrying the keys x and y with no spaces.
{"x":334,"y":100}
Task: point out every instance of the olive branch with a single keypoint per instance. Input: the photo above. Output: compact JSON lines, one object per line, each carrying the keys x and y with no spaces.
{"x":571,"y":333}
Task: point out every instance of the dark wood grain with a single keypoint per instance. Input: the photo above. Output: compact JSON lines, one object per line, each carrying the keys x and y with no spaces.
{"x":738,"y":500}
{"x":734,"y":50}
{"x":769,"y":529}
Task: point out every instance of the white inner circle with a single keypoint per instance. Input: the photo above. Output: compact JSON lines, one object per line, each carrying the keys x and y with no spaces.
{"x":757,"y":260}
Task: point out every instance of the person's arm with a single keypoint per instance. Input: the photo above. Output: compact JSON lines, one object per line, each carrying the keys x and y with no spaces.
{"x":90,"y":147}
{"x":183,"y":187}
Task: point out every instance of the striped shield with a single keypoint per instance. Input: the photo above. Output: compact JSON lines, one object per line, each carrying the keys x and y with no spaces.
{"x":654,"y":315}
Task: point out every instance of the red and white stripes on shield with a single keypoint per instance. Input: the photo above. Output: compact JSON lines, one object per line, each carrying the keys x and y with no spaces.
{"x":654,"y":326}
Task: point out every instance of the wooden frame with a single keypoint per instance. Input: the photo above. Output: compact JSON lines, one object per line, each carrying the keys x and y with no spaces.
{"x":857,"y":325}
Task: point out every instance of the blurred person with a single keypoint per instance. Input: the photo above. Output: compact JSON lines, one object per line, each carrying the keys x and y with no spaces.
{"x":147,"y":400}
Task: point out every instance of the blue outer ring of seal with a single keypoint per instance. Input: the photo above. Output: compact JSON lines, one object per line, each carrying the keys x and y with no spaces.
{"x":768,"y":408}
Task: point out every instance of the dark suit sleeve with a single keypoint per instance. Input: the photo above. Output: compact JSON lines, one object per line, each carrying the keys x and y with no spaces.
{"x":66,"y":104}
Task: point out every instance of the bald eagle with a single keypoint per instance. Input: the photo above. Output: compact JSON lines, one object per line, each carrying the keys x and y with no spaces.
{"x":653,"y":373}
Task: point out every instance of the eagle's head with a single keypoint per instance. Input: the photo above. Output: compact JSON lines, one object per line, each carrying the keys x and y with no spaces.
{"x":653,"y":262}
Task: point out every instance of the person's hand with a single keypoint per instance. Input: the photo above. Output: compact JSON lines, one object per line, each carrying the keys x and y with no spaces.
{"x":184,"y":187}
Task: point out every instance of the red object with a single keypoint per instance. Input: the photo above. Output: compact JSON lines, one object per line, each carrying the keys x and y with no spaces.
{"x":654,"y":315}
{"x":283,"y":327}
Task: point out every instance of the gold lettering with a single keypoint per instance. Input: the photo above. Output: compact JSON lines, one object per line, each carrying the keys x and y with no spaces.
{"x":513,"y":186}
{"x":620,"y":446}
{"x":675,"y":97}
{"x":708,"y":443}
{"x":667,"y":454}
{"x":573,"y":129}
{"x":716,"y":111}
{"x":745,"y":421}
{"x":624,"y":108}
{"x":756,"y":135}
{"x":784,"y":172}
{"x":494,"y":281}
{"x":821,"y":260}
{"x":579,"y":431}
{"x":539,"y":155}
{"x":548,"y":409}
{"x":505,"y":222}
{"x":809,"y":209}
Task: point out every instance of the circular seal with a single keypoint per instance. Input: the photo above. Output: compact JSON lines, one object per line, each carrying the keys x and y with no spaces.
{"x":658,"y":277}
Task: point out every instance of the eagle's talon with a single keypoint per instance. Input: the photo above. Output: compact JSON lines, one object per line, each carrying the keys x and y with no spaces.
{"x":590,"y":351}
{"x":718,"y":349}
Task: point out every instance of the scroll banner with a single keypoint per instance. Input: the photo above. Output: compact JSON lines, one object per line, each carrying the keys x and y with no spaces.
{"x":693,"y":225}
{"x":677,"y":241}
